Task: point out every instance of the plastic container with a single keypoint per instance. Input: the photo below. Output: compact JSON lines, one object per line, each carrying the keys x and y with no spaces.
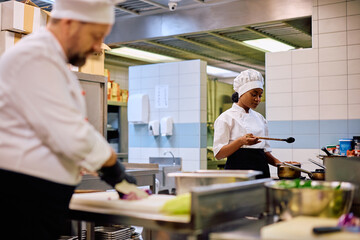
{"x":345,"y":144}
{"x":356,"y":140}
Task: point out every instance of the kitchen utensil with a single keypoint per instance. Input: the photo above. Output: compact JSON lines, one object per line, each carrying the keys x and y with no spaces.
{"x":288,"y":140}
{"x":286,"y":172}
{"x":321,"y":199}
{"x":326,"y":151}
{"x":316,"y":163}
{"x":318,"y":174}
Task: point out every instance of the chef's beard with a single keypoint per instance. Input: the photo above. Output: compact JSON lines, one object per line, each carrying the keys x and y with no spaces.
{"x":77,"y":60}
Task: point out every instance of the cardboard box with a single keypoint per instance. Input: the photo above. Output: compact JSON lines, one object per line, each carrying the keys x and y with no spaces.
{"x":21,"y":18}
{"x":8,"y":39}
{"x":95,"y":63}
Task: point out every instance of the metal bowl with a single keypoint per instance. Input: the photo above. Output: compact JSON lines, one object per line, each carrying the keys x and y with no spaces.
{"x":184,"y":181}
{"x":325,"y":202}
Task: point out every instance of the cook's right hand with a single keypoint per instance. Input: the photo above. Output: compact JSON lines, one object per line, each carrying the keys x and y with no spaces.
{"x":249,"y":139}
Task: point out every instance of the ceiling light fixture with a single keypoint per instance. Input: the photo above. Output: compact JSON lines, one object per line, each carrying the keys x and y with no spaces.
{"x":220,"y":72}
{"x":141,"y":55}
{"x":268,"y":45}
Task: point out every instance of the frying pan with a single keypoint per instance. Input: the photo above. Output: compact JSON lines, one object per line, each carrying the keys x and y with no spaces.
{"x":318,"y":174}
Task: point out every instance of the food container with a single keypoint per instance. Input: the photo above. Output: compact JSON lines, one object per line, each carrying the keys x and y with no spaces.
{"x":345,"y":144}
{"x":286,"y":172}
{"x":184,"y":181}
{"x":321,"y":199}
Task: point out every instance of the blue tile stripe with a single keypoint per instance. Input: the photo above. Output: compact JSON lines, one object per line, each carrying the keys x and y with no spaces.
{"x":185,"y":135}
{"x":312,"y":134}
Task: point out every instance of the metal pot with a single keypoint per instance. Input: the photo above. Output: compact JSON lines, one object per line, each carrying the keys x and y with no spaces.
{"x":286,"y":172}
{"x":318,"y":174}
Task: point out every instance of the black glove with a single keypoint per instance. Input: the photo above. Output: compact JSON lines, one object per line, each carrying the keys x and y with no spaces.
{"x":115,"y":174}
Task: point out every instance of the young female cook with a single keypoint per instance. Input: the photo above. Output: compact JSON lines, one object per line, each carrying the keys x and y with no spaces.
{"x":237,"y":129}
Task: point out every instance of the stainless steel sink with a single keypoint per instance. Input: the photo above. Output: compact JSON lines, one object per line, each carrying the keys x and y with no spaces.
{"x":166,"y":165}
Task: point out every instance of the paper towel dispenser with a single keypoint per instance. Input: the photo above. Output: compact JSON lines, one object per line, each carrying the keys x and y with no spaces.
{"x":166,"y":126}
{"x":138,"y":108}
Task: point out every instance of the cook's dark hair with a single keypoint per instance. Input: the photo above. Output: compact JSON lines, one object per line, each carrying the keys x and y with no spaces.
{"x":235,"y":97}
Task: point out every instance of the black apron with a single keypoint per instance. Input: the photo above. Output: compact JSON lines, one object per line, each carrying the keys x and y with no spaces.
{"x":249,"y":159}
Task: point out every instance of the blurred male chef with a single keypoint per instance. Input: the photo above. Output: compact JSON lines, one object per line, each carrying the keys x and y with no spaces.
{"x":44,"y":136}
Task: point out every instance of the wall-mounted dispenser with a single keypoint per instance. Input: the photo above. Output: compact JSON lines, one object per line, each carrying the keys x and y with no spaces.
{"x":154,"y":128}
{"x":138,"y":108}
{"x":166,"y":125}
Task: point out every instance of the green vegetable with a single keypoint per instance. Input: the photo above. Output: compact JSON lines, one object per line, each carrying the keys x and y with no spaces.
{"x":296,"y":183}
{"x":179,"y":205}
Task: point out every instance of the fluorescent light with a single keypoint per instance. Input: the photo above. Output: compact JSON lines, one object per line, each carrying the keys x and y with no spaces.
{"x":220,"y":72}
{"x":141,"y":55}
{"x":268,"y":45}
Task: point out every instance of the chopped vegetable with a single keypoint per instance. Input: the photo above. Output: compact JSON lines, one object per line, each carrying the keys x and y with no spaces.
{"x":297,"y":183}
{"x":179,"y":205}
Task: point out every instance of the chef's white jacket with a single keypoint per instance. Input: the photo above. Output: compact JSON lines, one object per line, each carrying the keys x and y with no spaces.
{"x":235,"y":123}
{"x":43,"y":127}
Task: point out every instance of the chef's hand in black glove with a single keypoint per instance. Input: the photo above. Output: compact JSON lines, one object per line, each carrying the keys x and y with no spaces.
{"x":115,"y":174}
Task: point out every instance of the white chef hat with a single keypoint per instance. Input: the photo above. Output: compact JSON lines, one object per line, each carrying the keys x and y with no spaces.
{"x":93,"y":11}
{"x":247,"y":80}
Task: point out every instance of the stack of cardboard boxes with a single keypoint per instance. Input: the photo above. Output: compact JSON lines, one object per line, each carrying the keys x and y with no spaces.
{"x":114,"y":92}
{"x":18,"y":19}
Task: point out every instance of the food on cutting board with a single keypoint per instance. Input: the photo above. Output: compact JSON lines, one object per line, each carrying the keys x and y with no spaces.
{"x":181,"y":204}
{"x":131,"y":191}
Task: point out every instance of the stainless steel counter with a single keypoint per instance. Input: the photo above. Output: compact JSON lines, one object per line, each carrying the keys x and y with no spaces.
{"x":211,"y":207}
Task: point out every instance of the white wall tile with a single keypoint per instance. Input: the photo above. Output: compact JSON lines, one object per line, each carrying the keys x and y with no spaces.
{"x":315,"y":13}
{"x":332,"y":39}
{"x":314,"y":27}
{"x":333,"y":112}
{"x":315,"y":41}
{"x":166,"y":113}
{"x":171,"y":80}
{"x":333,"y":82}
{"x":305,"y":99}
{"x":134,"y":152}
{"x":302,"y":156}
{"x":304,"y":56}
{"x":173,"y":92}
{"x":353,"y":51}
{"x":332,"y":25}
{"x":354,"y":96}
{"x":151,"y":70}
{"x":353,"y":7}
{"x":332,"y":68}
{"x":333,"y":54}
{"x":324,"y":2}
{"x":305,"y":84}
{"x":332,"y":10}
{"x":134,"y":72}
{"x":353,"y":22}
{"x":149,"y":82}
{"x":354,"y":81}
{"x":354,"y":111}
{"x":353,"y":66}
{"x":134,"y":84}
{"x":305,"y":70}
{"x":278,"y":72}
{"x":305,"y":113}
{"x":169,"y":68}
{"x":278,"y":58}
{"x":186,"y":104}
{"x":333,"y":97}
{"x":189,"y":79}
{"x":203,"y":116}
{"x":278,"y":113}
{"x":189,"y":153}
{"x":189,"y":91}
{"x":353,"y":37}
{"x":282,"y":154}
{"x":191,"y":66}
{"x":278,"y":99}
{"x":173,"y":105}
{"x":189,"y":116}
{"x":278,"y":86}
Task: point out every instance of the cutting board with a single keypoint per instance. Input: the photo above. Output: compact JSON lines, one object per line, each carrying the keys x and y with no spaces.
{"x":152,"y":204}
{"x":300,"y":228}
